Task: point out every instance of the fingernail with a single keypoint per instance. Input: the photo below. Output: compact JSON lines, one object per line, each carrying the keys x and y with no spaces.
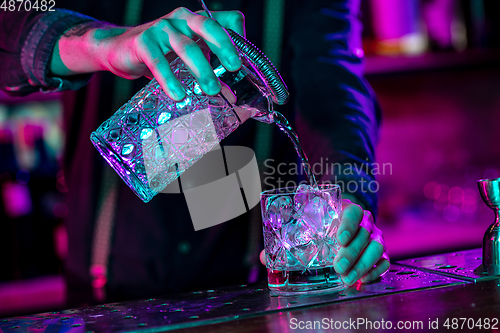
{"x":214,"y":87}
{"x":351,"y":277}
{"x":234,"y":62}
{"x":179,"y":95}
{"x":344,"y":237}
{"x":342,"y":265}
{"x":177,"y":92}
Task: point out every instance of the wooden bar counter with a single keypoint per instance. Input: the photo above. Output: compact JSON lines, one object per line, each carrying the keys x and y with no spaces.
{"x":437,"y":293}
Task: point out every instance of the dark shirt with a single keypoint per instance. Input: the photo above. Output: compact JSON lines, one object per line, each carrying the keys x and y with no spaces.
{"x":155,"y":249}
{"x":26,"y":44}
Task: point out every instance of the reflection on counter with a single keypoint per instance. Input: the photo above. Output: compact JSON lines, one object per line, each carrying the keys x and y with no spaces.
{"x":213,"y":306}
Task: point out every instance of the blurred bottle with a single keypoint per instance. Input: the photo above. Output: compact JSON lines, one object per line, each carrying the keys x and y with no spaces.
{"x":444,"y":24}
{"x":398,"y":27}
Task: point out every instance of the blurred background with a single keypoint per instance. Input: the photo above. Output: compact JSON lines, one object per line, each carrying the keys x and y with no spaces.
{"x":435,"y":66}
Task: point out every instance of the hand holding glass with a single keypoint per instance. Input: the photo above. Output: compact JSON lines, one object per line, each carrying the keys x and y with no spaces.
{"x":300,"y":226}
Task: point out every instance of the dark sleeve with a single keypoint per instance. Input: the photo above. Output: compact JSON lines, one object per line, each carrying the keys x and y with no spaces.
{"x":26,"y":43}
{"x":338,"y":116}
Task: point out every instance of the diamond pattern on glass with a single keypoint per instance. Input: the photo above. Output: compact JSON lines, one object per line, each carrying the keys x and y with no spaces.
{"x":299,"y":230}
{"x":146,"y":133}
{"x":127,"y":149}
{"x":186,"y":102}
{"x":164,"y":117}
{"x":160,"y":138}
{"x":132,"y":119}
{"x":114,"y":135}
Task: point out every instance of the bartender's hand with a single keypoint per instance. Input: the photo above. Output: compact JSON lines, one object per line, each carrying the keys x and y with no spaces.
{"x":140,"y":51}
{"x":363,"y":255}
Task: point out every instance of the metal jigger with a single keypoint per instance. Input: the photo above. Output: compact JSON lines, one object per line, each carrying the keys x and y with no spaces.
{"x":490,"y":192}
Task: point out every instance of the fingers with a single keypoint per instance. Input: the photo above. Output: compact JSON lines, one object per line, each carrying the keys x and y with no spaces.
{"x":233,"y":20}
{"x":352,"y":215}
{"x":140,"y":51}
{"x":362,"y":253}
{"x":194,"y":58}
{"x":378,"y":270}
{"x":212,"y":33}
{"x":163,"y":37}
{"x":370,"y":256}
{"x":155,"y":60}
{"x":175,"y":32}
{"x":348,"y":255}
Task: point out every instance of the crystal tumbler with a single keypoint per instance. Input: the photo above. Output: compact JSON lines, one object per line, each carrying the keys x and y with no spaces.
{"x":151,"y":140}
{"x":300,"y":224}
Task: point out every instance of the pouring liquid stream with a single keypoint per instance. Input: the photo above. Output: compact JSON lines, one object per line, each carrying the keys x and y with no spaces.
{"x":284,"y":125}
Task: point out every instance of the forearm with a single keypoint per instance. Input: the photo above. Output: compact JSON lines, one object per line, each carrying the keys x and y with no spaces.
{"x":26,"y":44}
{"x":83,"y":49}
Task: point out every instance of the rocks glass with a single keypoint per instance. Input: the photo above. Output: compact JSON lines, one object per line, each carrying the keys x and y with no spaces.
{"x":300,"y":226}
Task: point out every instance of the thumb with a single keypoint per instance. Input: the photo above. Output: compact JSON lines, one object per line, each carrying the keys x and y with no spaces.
{"x":262,"y":257}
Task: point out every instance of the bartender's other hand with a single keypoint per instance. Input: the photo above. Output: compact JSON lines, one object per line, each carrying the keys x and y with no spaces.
{"x":363,"y":255}
{"x":140,"y":51}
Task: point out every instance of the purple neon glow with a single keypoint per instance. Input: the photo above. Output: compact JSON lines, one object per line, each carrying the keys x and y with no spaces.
{"x":16,"y":199}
